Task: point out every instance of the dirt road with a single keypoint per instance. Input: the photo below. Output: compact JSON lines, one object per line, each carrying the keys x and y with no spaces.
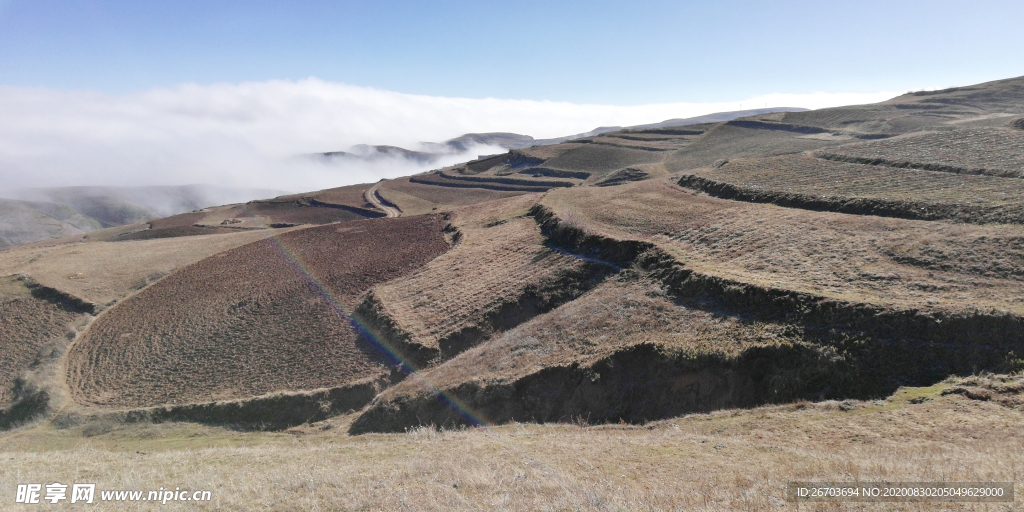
{"x":374,"y":198}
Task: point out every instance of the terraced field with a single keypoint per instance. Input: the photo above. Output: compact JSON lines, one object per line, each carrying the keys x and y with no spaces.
{"x":173,"y":227}
{"x":509,"y":376}
{"x":498,"y":275}
{"x":264,"y":317}
{"x":615,"y":139}
{"x":341,"y":204}
{"x":731,"y":141}
{"x":819,"y":184}
{"x":991,"y":151}
{"x":415,"y":199}
{"x":500,"y":183}
{"x":351,"y":195}
{"x":876,"y":260}
{"x":599,"y":159}
{"x":572,"y":279}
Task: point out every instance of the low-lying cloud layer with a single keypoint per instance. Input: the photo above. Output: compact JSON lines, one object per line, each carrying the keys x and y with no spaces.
{"x":248,"y":134}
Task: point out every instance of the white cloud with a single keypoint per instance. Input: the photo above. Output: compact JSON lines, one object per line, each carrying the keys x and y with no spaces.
{"x":244,"y":134}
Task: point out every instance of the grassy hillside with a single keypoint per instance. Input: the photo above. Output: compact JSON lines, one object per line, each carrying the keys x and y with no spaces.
{"x":770,"y":285}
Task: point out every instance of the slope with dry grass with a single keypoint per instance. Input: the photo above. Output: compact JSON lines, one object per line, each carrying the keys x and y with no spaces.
{"x":819,"y":184}
{"x":730,"y":141}
{"x":625,"y":351}
{"x":993,"y":152}
{"x":498,"y":275}
{"x":883,"y":261}
{"x":730,"y":460}
{"x":104,"y":272}
{"x":661,"y":340}
{"x":600,"y":159}
{"x":29,"y":323}
{"x":443,"y":179}
{"x":264,"y":317}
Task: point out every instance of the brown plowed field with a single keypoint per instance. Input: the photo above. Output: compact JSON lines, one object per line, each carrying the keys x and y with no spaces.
{"x":442,"y":180}
{"x":351,"y":195}
{"x":264,"y":317}
{"x":884,"y":261}
{"x":490,"y":267}
{"x":297,"y":213}
{"x":416,"y":198}
{"x":174,"y":226}
{"x":997,"y":152}
{"x":27,"y":324}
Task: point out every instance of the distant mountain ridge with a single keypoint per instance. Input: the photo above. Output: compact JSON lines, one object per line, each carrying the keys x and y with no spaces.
{"x":30,"y":215}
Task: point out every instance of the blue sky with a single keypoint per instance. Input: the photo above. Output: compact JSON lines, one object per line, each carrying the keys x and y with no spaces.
{"x":620,"y":53}
{"x":113,"y":92}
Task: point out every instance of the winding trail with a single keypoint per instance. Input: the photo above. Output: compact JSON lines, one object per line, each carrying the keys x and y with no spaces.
{"x":374,"y":198}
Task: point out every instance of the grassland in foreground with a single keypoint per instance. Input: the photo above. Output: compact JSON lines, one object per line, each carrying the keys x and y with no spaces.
{"x":725,"y":460}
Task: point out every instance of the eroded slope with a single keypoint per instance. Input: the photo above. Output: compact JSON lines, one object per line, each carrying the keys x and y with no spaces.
{"x":29,"y":323}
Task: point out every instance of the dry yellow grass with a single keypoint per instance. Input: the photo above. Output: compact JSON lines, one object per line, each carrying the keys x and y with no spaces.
{"x":103,"y":272}
{"x":885,"y":261}
{"x":922,"y":194}
{"x":732,"y":460}
{"x":618,"y":313}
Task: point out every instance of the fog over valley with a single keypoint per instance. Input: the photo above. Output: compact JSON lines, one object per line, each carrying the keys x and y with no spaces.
{"x":247,"y":135}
